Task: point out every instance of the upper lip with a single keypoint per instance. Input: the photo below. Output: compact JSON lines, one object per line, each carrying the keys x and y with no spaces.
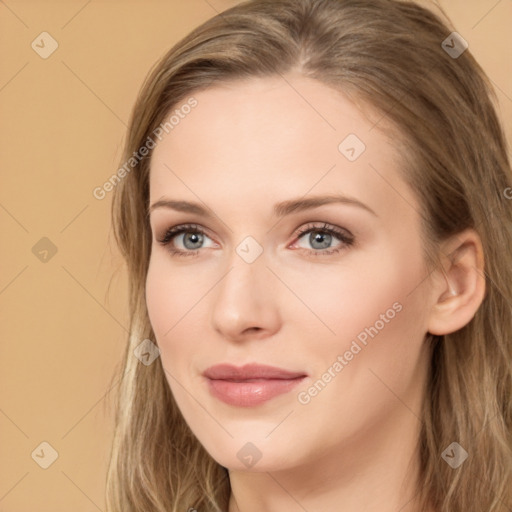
{"x":249,"y":371}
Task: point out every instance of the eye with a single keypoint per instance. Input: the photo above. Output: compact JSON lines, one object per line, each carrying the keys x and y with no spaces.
{"x":192,"y":239}
{"x":321,"y":238}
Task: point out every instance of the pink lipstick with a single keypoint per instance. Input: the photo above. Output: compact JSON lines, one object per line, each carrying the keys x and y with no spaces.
{"x":250,"y":385}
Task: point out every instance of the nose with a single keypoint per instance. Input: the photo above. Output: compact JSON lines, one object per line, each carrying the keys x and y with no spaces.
{"x":245,"y":303}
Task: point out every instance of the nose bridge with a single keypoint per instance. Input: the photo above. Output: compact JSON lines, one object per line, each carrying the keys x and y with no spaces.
{"x":244,"y":298}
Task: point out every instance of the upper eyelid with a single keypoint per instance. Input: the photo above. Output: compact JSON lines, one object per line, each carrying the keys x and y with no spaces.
{"x":180,"y":228}
{"x":298,"y":233}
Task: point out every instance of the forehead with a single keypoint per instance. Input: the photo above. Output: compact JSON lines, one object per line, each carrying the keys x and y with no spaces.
{"x":273,"y":136}
{"x":275,"y":110}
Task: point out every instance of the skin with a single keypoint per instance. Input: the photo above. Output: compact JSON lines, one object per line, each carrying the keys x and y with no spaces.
{"x":246,"y":146}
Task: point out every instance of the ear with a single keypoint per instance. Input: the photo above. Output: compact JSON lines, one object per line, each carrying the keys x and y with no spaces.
{"x":458,"y":284}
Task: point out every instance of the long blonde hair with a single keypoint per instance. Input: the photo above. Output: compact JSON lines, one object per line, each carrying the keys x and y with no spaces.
{"x":387,"y":54}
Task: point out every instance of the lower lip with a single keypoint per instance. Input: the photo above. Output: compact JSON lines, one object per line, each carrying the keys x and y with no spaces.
{"x":249,"y":394}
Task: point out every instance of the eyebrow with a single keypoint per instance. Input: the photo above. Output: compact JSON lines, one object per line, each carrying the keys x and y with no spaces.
{"x":280,"y":209}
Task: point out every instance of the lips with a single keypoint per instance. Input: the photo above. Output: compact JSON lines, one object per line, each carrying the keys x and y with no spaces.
{"x":250,"y":385}
{"x":249,"y":371}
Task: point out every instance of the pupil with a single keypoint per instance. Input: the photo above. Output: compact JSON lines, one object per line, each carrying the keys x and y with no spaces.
{"x":318,"y":238}
{"x":193,"y":237}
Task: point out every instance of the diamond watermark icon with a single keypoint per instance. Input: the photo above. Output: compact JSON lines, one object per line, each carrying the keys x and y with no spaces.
{"x":44,"y":45}
{"x":351,"y":147}
{"x":45,"y":455}
{"x":249,"y":455}
{"x":454,"y":45}
{"x":454,"y":455}
{"x":44,"y":250}
{"x":249,"y":249}
{"x":146,"y":352}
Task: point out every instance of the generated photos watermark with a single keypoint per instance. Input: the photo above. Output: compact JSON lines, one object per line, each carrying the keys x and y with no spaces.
{"x":305,"y":397}
{"x":169,"y":124}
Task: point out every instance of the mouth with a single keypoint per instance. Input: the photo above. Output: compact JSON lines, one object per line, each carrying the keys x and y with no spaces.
{"x":250,"y":385}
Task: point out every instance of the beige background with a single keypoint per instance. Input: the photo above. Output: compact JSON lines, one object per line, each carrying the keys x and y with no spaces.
{"x":62,"y":125}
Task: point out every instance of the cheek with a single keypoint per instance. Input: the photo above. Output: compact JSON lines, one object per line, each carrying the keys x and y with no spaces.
{"x":338,"y":302}
{"x":176,"y":297}
{"x":375,"y":309}
{"x":378,"y":313}
{"x":168,"y":298}
{"x":171,"y":293}
{"x":358,"y":373}
{"x":160,"y":303}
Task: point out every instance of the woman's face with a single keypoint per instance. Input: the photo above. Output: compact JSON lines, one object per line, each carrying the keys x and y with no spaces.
{"x":333,"y":292}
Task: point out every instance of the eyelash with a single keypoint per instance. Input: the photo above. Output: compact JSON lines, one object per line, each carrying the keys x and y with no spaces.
{"x":346,"y":238}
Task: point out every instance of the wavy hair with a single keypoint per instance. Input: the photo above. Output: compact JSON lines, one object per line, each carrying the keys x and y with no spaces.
{"x":386,"y":54}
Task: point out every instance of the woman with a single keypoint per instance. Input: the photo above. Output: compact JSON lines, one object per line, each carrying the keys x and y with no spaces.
{"x":317,"y":232}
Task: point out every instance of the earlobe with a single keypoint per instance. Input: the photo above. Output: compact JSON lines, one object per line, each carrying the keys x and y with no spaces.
{"x":458,"y":287}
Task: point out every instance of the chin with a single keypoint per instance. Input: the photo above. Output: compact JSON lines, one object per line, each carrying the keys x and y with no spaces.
{"x":249,"y":453}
